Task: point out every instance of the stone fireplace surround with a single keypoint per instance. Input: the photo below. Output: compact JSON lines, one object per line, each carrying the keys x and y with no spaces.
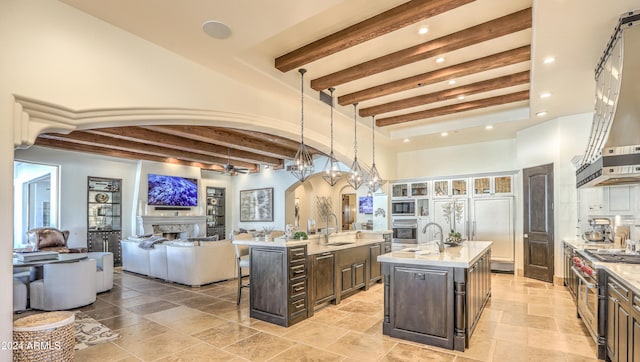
{"x":183,"y":226}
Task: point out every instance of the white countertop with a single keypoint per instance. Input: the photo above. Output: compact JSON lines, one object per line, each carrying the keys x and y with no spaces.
{"x":580,"y":244}
{"x":459,"y":256}
{"x":316,"y":243}
{"x":629,"y":273}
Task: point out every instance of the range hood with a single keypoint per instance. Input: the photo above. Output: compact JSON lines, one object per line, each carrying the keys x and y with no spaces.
{"x":613,"y":152}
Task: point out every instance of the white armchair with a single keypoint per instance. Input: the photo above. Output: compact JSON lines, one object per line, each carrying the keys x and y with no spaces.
{"x":104,"y":272}
{"x":199,"y":265}
{"x":65,"y":286}
{"x":19,"y":296}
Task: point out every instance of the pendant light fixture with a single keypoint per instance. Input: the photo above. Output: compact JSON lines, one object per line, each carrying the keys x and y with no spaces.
{"x":356,"y":178}
{"x":375,"y":181}
{"x":303,"y":163}
{"x":332,"y":173}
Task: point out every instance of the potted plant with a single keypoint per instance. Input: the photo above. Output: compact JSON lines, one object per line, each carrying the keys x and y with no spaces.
{"x":300,"y":235}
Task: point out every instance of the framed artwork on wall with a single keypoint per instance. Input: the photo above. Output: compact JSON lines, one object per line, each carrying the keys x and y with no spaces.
{"x":256,"y":204}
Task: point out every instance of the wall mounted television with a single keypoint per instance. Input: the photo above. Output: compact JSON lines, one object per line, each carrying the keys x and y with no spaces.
{"x":172,"y":191}
{"x":366,"y":204}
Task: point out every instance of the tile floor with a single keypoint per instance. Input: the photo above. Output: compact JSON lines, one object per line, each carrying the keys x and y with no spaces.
{"x":525,"y":320}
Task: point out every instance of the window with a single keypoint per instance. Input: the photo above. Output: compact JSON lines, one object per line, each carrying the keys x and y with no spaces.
{"x":35,"y":204}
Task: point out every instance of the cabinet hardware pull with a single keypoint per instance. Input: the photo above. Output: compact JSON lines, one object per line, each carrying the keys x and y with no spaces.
{"x":299,"y":254}
{"x":298,"y":271}
{"x":298,"y":289}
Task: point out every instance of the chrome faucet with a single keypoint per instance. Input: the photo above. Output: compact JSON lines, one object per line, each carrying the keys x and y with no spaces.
{"x":327,"y":223}
{"x":441,"y":242}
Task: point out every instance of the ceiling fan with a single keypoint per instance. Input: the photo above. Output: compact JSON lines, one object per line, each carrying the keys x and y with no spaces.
{"x":230,"y":169}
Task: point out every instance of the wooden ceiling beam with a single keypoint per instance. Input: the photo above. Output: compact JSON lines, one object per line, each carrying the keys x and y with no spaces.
{"x":240,"y":140}
{"x":177,"y":142}
{"x":496,"y":28}
{"x":69,"y":146}
{"x":386,"y":22}
{"x":465,"y":90}
{"x":454,"y":108}
{"x":108,"y":142}
{"x":494,"y":61}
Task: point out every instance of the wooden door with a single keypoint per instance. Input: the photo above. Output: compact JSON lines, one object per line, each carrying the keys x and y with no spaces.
{"x":348,"y":217}
{"x":538,"y":222}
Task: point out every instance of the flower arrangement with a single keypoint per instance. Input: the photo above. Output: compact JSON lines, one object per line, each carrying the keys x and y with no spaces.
{"x":453,"y":213}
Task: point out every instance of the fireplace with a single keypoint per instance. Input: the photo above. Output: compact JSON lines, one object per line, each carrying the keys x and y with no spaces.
{"x":176,"y":227}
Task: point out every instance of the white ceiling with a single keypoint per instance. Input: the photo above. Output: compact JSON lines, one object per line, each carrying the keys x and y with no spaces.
{"x":573,"y":31}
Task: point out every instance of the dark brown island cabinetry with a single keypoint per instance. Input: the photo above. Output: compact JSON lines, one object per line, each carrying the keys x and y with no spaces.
{"x":438,"y":305}
{"x":622,"y":321}
{"x":322,"y":277}
{"x":279,"y":284}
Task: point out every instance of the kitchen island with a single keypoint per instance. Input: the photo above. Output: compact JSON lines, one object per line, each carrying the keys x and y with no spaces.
{"x":290,"y":278}
{"x":436,"y":298}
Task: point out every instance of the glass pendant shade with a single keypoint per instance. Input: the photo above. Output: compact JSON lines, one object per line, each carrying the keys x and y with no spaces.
{"x":374,"y":181}
{"x":302,"y":166}
{"x":356,"y":177}
{"x":332,"y":173}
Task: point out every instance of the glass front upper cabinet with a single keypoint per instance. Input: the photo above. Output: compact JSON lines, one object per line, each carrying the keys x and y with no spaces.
{"x":441,"y":188}
{"x":419,"y":189}
{"x":400,"y":190}
{"x":459,"y":187}
{"x":494,"y":185}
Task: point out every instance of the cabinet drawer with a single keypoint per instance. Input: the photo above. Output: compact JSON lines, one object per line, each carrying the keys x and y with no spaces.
{"x":297,"y":306}
{"x":297,"y":270}
{"x":297,"y":289}
{"x":618,"y":288}
{"x":636,"y":303}
{"x":298,"y":253}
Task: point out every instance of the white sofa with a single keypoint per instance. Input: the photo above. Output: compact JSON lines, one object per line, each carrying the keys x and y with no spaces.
{"x":197,"y":265}
{"x":150,"y":262}
{"x":181,"y":262}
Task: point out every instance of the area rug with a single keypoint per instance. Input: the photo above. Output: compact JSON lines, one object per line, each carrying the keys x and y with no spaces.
{"x":90,"y":332}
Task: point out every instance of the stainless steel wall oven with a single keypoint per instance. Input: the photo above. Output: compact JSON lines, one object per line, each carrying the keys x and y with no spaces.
{"x":405,"y":231}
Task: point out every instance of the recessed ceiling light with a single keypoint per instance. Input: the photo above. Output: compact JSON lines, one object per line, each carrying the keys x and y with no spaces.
{"x":452,"y":81}
{"x":216,"y":29}
{"x":423,"y":30}
{"x":488,"y":127}
{"x":440,"y":60}
{"x":549,"y":60}
{"x":444,"y":134}
{"x":406,"y":140}
{"x":545,"y":95}
{"x":541,"y":113}
{"x":461,"y":97}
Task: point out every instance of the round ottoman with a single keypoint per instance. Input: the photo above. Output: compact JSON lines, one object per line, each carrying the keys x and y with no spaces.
{"x":44,"y":337}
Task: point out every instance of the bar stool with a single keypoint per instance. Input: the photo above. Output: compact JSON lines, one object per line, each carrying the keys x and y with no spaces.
{"x":242,"y":261}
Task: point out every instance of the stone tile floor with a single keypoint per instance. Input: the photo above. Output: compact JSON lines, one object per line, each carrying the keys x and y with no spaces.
{"x":525,"y":320}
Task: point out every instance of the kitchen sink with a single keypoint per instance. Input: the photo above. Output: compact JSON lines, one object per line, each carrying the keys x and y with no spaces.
{"x":340,"y":243}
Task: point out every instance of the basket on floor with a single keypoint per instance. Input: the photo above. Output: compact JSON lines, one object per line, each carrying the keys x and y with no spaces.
{"x":44,"y":337}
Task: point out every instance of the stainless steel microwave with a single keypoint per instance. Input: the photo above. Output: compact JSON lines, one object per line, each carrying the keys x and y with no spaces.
{"x":403,"y":207}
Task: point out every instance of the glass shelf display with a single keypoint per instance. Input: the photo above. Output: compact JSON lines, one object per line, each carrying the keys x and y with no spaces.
{"x":216,"y":212}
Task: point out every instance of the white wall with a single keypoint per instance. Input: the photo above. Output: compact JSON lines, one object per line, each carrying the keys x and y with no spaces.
{"x":75,"y":167}
{"x":457,"y":160}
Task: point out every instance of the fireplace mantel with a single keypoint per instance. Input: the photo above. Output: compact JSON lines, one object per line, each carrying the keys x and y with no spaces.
{"x":145,"y":223}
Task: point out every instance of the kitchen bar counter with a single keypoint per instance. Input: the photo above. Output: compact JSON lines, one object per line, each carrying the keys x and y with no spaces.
{"x":290,"y":278}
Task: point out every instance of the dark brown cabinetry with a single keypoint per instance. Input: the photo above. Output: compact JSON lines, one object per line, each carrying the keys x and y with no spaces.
{"x":324,"y":279}
{"x":352,"y":267}
{"x":434,"y":305}
{"x":570,"y":279}
{"x":279,"y":284}
{"x":106,"y":241}
{"x":375,"y":268}
{"x":619,"y":320}
{"x":104,"y":216}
